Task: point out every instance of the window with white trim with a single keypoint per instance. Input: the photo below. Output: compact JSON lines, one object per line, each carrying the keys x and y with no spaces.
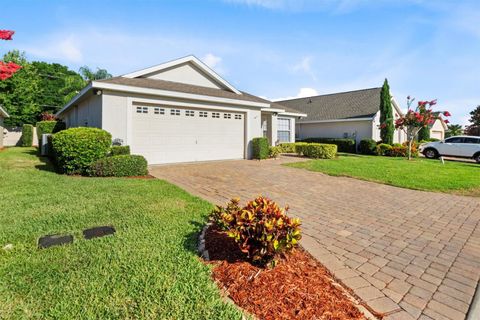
{"x":174,"y":112}
{"x":238,"y":117}
{"x":142,"y":109}
{"x":203,"y":114}
{"x":227,"y":116}
{"x":215,"y":114}
{"x":283,"y":129}
{"x":158,"y":110}
{"x":190,"y":113}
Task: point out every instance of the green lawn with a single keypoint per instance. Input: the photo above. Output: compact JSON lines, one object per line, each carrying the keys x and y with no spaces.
{"x":148,"y":269}
{"x":420,"y":173}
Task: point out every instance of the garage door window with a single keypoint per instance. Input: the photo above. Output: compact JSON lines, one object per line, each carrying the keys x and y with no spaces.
{"x":203,"y":114}
{"x":215,"y":115}
{"x":190,"y":113}
{"x":174,"y":112}
{"x":227,"y":115}
{"x":142,"y":109}
{"x":157,"y":110}
{"x":238,"y":117}
{"x":283,"y":131}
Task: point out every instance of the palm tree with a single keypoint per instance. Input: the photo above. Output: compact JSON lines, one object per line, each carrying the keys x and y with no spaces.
{"x":454,"y":130}
{"x":90,"y":75}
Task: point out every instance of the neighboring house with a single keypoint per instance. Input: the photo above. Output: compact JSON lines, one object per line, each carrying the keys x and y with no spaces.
{"x":438,"y":129}
{"x":353,"y":114}
{"x":3,"y":115}
{"x":179,"y":111}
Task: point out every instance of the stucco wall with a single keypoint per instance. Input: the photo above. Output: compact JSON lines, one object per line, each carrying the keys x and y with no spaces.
{"x":398,"y":137}
{"x":186,"y":73}
{"x":437,"y":131}
{"x":362,"y":130}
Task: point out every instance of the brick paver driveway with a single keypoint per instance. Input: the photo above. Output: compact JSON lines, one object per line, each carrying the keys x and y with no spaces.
{"x":406,"y":253}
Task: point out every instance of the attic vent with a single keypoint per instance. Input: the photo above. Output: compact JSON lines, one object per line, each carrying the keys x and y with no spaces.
{"x":309,"y":101}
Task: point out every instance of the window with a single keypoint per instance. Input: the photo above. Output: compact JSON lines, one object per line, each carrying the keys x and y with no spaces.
{"x":174,"y":112}
{"x":142,"y":109}
{"x":238,"y":117}
{"x":471,"y":140}
{"x":158,"y":110}
{"x":190,"y":113}
{"x":454,"y":140}
{"x":227,"y":115}
{"x":203,"y":114}
{"x":215,"y":114}
{"x":283,"y":130}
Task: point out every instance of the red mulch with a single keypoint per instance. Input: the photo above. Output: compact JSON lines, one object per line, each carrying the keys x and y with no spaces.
{"x":298,"y":287}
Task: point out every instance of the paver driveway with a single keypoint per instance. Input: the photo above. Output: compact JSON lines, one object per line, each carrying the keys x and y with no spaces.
{"x":406,"y":253}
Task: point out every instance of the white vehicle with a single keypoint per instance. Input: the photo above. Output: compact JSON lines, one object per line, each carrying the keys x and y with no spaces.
{"x":458,"y":146}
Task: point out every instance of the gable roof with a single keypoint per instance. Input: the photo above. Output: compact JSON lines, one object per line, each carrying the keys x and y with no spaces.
{"x":188,"y":59}
{"x":350,"y":105}
{"x":3,"y":113}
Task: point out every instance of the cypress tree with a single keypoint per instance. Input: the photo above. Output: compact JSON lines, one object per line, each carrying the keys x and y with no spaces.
{"x":386,"y":114}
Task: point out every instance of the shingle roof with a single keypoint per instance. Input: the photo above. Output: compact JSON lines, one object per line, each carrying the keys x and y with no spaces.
{"x":344,"y":105}
{"x":181,"y":87}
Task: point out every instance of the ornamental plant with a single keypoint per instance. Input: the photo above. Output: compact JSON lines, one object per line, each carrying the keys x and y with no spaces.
{"x":416,"y":119}
{"x":7,"y":69}
{"x":261,"y":228}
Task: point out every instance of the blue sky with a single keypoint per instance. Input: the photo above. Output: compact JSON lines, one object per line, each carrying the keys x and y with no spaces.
{"x":272,"y":48}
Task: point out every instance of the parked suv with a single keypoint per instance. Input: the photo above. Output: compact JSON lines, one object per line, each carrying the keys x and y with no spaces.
{"x":459,"y":146}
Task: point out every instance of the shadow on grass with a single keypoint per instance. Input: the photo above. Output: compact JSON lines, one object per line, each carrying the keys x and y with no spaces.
{"x":190,"y":241}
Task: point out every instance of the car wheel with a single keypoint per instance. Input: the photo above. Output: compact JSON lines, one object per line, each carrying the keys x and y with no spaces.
{"x":477,"y":158}
{"x":430,"y":153}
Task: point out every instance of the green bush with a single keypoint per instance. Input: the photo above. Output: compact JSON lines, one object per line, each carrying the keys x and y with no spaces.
{"x":367,"y":146}
{"x":119,"y":166}
{"x":343,"y":145}
{"x":383,"y":149}
{"x":287,"y":147}
{"x":319,"y":151}
{"x":119,"y":150}
{"x":260,"y":148}
{"x":261,"y":229}
{"x":27,"y":135}
{"x":50,"y":152}
{"x":428,"y":140}
{"x":300,"y":147}
{"x":398,"y":151}
{"x":46,"y":127}
{"x":77,"y":148}
{"x":274,"y":152}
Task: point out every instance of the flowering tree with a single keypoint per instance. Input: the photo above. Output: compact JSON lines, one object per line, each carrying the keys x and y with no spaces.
{"x":416,"y":119}
{"x":7,"y":69}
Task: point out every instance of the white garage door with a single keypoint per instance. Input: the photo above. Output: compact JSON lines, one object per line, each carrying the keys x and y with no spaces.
{"x":436,"y":134}
{"x":168,"y":135}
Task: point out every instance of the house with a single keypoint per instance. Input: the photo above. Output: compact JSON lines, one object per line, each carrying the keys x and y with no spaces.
{"x":438,"y":129}
{"x":179,"y":111}
{"x":352,"y":114}
{"x":3,"y":115}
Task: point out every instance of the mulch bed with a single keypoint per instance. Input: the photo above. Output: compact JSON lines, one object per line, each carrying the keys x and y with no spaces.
{"x":298,"y":287}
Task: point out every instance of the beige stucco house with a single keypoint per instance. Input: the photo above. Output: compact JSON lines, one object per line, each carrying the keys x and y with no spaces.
{"x":438,"y":129}
{"x":352,"y":114}
{"x":180,"y":111}
{"x":3,"y":115}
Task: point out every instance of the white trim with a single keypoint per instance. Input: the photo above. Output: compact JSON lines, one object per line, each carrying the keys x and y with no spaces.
{"x":4,"y":113}
{"x":303,"y":115}
{"x":272,"y":110}
{"x":199,"y":64}
{"x":338,"y":120}
{"x":75,"y":99}
{"x":397,"y":108}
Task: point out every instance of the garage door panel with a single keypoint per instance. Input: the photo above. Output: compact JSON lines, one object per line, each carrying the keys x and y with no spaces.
{"x":180,"y":138}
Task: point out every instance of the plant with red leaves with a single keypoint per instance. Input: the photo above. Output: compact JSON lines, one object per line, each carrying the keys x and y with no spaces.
{"x":47,"y":116}
{"x":7,"y":69}
{"x":261,"y":229}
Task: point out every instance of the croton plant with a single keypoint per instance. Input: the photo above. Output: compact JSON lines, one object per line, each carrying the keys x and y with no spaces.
{"x":261,"y":228}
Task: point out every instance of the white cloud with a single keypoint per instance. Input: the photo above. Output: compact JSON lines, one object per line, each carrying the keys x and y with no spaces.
{"x":211,"y":60}
{"x":302,"y":93}
{"x":305,"y":65}
{"x":65,"y":48}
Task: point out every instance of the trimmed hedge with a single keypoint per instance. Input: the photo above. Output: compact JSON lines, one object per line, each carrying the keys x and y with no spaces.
{"x":260,"y":148}
{"x":343,"y":145}
{"x":383,"y":149}
{"x":77,"y":148}
{"x":367,"y":146}
{"x":119,"y":150}
{"x":27,"y":135}
{"x":287,"y":147}
{"x":125,"y":165}
{"x":319,"y":150}
{"x":274,"y":151}
{"x":46,"y":127}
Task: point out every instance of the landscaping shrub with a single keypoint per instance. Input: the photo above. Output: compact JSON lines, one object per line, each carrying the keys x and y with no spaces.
{"x":319,"y":150}
{"x":77,"y":148}
{"x":45,"y":127}
{"x":300,"y":147}
{"x":428,"y":140}
{"x":119,"y":150}
{"x":343,"y":145}
{"x":287,"y":147}
{"x":274,"y":152}
{"x":261,"y":229}
{"x":367,"y":146}
{"x":398,"y":151}
{"x":383,"y":149}
{"x":260,"y":148}
{"x":50,"y":151}
{"x":119,"y":166}
{"x":27,"y":135}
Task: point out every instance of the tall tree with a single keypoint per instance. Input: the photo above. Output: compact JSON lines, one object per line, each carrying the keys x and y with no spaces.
{"x":454,"y":130}
{"x":474,"y":128}
{"x":387,"y":128}
{"x":90,"y":75}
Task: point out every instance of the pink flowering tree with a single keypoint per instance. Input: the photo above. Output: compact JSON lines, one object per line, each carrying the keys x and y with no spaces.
{"x":7,"y":69}
{"x":416,"y":119}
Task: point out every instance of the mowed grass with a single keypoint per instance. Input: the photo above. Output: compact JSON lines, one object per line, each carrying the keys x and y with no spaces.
{"x":419,"y":173}
{"x":147,"y":270}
